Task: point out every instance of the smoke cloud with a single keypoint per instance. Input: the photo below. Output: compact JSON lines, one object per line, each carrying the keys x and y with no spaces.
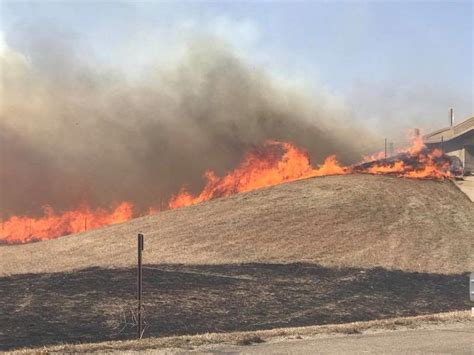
{"x":71,"y":132}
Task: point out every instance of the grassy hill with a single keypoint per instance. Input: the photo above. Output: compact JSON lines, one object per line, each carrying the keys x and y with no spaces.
{"x":320,"y":251}
{"x":344,"y":221}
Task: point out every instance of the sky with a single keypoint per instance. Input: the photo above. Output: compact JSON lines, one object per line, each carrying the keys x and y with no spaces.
{"x":389,"y":62}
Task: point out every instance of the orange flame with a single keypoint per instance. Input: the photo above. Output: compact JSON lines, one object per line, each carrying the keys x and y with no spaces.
{"x":273,"y":163}
{"x":414,"y":162}
{"x":396,"y":167}
{"x":260,"y":169}
{"x":429,"y":168}
{"x":22,"y":229}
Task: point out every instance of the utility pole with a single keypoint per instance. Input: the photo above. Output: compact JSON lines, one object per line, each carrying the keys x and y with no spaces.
{"x":451,"y":117}
{"x":139,"y":286}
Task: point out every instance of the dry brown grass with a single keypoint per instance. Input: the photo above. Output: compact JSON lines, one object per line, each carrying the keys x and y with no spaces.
{"x":247,"y":338}
{"x":355,"y":221}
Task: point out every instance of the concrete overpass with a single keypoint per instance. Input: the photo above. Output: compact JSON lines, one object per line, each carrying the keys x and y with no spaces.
{"x":457,"y":140}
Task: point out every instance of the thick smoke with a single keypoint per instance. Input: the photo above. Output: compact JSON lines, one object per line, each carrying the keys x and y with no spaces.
{"x":71,"y":133}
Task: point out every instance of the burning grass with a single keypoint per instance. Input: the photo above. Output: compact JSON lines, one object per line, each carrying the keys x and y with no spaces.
{"x":352,"y":220}
{"x":271,"y":164}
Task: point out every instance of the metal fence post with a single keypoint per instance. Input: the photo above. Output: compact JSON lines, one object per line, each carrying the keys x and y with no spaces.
{"x":139,"y":286}
{"x":471,"y":291}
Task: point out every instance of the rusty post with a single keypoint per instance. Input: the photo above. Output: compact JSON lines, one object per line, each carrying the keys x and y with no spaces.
{"x":139,"y":285}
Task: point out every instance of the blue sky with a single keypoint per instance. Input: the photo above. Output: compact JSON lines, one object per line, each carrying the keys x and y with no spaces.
{"x":401,"y":60}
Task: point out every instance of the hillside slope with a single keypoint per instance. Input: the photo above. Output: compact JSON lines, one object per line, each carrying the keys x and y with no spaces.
{"x":355,"y":220}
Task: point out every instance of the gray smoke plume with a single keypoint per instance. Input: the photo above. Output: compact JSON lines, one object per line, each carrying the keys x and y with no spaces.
{"x":71,"y":132}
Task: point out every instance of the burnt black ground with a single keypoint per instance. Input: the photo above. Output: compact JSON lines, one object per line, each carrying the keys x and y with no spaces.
{"x":95,"y":304}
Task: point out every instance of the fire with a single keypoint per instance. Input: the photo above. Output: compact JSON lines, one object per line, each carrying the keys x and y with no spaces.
{"x":260,"y":168}
{"x":22,"y":229}
{"x":417,"y":145}
{"x":415,"y":162}
{"x":433,"y":165}
{"x":271,"y":164}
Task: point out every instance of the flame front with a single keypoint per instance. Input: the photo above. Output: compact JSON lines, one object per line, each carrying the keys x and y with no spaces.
{"x":273,"y":163}
{"x":22,"y":229}
{"x":260,"y":169}
{"x":415,"y":162}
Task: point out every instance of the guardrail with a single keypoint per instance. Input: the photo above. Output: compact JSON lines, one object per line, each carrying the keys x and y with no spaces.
{"x":449,"y":133}
{"x":464,"y":126}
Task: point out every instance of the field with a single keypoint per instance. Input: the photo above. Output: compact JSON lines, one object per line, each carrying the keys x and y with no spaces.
{"x":320,"y":251}
{"x":95,"y":304}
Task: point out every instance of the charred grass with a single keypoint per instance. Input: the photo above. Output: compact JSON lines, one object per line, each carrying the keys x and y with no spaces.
{"x":97,"y":304}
